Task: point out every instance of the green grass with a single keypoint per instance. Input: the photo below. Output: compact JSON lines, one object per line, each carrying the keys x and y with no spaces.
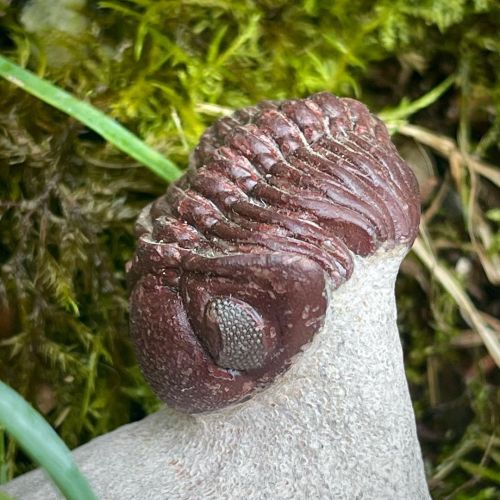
{"x":90,"y":116}
{"x":42,"y":444}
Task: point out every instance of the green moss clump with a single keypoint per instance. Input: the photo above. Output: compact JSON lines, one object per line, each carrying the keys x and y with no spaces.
{"x":65,"y":239}
{"x":169,"y":68}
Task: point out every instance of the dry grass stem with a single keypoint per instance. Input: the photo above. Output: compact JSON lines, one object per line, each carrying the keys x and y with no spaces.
{"x":448,"y":148}
{"x":469,"y":312}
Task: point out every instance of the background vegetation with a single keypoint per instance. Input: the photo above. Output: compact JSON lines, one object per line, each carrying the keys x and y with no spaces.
{"x":168,"y":68}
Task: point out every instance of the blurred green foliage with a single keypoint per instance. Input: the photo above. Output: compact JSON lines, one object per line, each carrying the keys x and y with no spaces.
{"x":168,"y":68}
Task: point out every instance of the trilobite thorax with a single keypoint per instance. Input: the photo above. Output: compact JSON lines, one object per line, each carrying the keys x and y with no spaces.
{"x":232,"y":262}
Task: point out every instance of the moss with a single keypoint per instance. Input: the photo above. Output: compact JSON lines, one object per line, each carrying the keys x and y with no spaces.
{"x":167,"y":69}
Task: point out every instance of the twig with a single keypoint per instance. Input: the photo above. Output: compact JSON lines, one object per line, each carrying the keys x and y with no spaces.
{"x":437,"y":201}
{"x":469,"y":312}
{"x":448,"y":148}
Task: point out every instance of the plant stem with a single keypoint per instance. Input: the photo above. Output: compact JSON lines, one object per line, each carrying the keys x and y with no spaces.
{"x":96,"y":120}
{"x":41,"y":442}
{"x":406,"y":109}
{"x":469,"y":312}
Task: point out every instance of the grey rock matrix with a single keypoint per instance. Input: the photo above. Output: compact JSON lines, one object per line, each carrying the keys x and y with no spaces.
{"x":339,"y":424}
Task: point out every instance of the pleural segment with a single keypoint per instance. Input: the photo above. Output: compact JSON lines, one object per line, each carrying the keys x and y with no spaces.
{"x":317,"y":177}
{"x":326,"y":160}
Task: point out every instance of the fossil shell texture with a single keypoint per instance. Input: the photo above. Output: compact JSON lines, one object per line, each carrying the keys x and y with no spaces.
{"x":230,"y":274}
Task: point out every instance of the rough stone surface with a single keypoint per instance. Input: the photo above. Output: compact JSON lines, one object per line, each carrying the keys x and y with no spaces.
{"x":339,"y":424}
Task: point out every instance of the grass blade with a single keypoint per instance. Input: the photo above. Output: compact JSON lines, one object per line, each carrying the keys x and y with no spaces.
{"x":466,"y":306}
{"x":42,"y":443}
{"x":96,"y":120}
{"x":408,"y":108}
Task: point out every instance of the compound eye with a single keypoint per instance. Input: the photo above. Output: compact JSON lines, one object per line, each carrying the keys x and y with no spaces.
{"x":235,"y":334}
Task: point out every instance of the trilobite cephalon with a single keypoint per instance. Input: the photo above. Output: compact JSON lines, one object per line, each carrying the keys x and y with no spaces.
{"x":230,"y":274}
